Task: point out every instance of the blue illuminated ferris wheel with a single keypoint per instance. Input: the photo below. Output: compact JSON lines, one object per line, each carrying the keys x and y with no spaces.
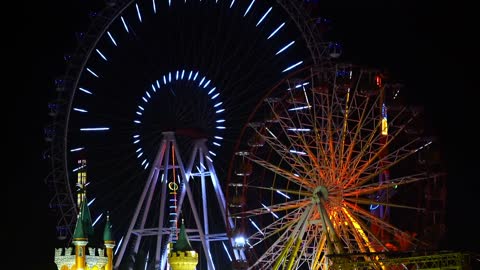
{"x":148,"y":69}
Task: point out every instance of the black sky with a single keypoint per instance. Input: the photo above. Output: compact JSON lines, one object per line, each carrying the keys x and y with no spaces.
{"x":429,"y":46}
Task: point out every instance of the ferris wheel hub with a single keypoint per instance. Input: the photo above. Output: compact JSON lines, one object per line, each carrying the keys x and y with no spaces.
{"x":320,"y":193}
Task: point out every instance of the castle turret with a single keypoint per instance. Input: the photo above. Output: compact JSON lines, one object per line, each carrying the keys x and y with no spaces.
{"x":109,"y":243}
{"x":85,"y":254}
{"x":80,"y":241}
{"x":181,"y":255}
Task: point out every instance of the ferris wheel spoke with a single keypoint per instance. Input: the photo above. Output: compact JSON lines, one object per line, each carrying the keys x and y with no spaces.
{"x":370,"y":158}
{"x":360,"y":111}
{"x":294,"y":152}
{"x":391,"y":184}
{"x":286,"y":174}
{"x":367,"y":216}
{"x":272,"y":209}
{"x":274,"y":228}
{"x":386,"y":162}
{"x":287,"y":244}
{"x":364,"y":240}
{"x":376,"y":202}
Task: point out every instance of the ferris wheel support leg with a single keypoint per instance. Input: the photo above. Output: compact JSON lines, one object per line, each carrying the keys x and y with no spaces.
{"x":336,"y":240}
{"x":239,"y":254}
{"x":149,"y":202}
{"x":200,"y":229}
{"x":196,"y":216}
{"x":204,"y":201}
{"x":153,"y":173}
{"x":158,"y":249}
{"x":186,"y":174}
{"x":297,"y":233}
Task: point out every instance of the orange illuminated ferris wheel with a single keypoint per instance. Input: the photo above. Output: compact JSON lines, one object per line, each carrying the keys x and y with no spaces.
{"x":323,"y":161}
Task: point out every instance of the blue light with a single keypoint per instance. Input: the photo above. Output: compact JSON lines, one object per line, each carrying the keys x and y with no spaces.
{"x":164,"y":79}
{"x":137,"y":121}
{"x":195,"y":77}
{"x":299,"y":108}
{"x":158,"y":84}
{"x":139,"y":155}
{"x":143,"y":162}
{"x":183,"y":73}
{"x":136,"y":136}
{"x":144,"y":99}
{"x":213,"y":89}
{"x":85,"y":90}
{"x":153,"y":88}
{"x":264,"y":15}
{"x":248,"y":9}
{"x":169,"y":77}
{"x":220,"y":121}
{"x":124,"y":24}
{"x":136,"y":141}
{"x":77,"y":149}
{"x":231,"y":4}
{"x":293,"y":151}
{"x":80,"y":110}
{"x":139,"y":113}
{"x":95,"y":129}
{"x":226,"y":250}
{"x":101,"y":54}
{"x":141,"y":108}
{"x":218,"y":104}
{"x":292,"y":66}
{"x":206,"y":84}
{"x":221,"y":127}
{"x":91,"y":72}
{"x":97,"y":219}
{"x":176,"y":76}
{"x":373,"y":207}
{"x":218,"y":138}
{"x":276,"y":30}
{"x":154,"y":7}
{"x":190,"y":75}
{"x":148,"y":94}
{"x":138,"y":13}
{"x":111,"y":38}
{"x":138,"y":150}
{"x":78,"y":168}
{"x":216,"y":95}
{"x":201,"y":81}
{"x":284,"y":48}
{"x":219,"y":111}
{"x":212,"y":153}
{"x":217,"y":144}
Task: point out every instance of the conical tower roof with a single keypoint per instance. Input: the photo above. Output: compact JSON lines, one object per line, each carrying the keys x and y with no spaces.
{"x":79,"y":232}
{"x":182,"y":244}
{"x":86,"y":218}
{"x":107,"y":231}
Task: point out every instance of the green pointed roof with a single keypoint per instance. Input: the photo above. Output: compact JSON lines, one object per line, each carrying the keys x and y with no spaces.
{"x":107,"y":232}
{"x":182,"y":244}
{"x":79,"y":232}
{"x":86,"y":218}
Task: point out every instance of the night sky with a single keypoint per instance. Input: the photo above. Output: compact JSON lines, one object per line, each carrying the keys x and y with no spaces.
{"x":429,"y":46}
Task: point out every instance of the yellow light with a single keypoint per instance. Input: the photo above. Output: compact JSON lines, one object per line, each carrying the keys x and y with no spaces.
{"x":384,"y":126}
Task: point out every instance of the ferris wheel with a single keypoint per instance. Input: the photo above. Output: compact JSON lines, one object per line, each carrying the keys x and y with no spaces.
{"x":323,"y":162}
{"x":145,"y":69}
